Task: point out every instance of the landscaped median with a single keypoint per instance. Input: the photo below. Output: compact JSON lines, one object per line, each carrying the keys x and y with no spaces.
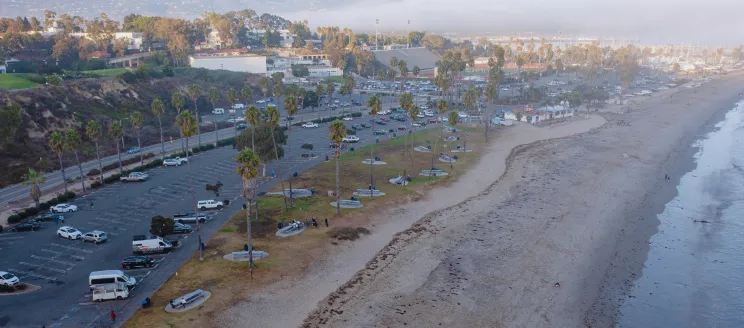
{"x":230,"y":282}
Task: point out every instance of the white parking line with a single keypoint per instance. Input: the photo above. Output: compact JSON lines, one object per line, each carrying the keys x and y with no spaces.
{"x":30,"y":274}
{"x":53,"y":260}
{"x":42,"y":267}
{"x":89,"y":251}
{"x":112,"y":221}
{"x":62,"y":254}
{"x":4,"y":238}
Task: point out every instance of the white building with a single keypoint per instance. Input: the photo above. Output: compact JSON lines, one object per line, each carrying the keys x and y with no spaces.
{"x":236,"y":62}
{"x":318,"y":65}
{"x":324,"y":71}
{"x":133,"y":38}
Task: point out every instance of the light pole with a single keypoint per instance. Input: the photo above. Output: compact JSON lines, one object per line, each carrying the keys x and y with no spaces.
{"x":409,"y":33}
{"x":377,"y":22}
{"x":122,"y":131}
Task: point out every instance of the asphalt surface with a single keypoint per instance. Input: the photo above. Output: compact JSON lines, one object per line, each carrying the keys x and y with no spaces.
{"x":61,"y":267}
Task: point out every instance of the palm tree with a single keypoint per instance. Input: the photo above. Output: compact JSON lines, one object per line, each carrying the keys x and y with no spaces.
{"x":391,"y":73}
{"x":403,"y":67}
{"x":247,"y":169}
{"x":252,"y":116}
{"x":413,"y":112}
{"x":93,"y":131}
{"x":247,"y":93}
{"x":177,"y":101}
{"x":34,"y":178}
{"x":406,"y":102}
{"x":272,"y":119}
{"x":320,"y":91}
{"x":194,"y":92}
{"x":72,"y":143}
{"x":263,"y":84}
{"x":232,"y":99}
{"x":442,"y":105}
{"x":158,"y":109}
{"x":290,"y":105}
{"x":187,"y":124}
{"x":56,"y":142}
{"x":137,"y":120}
{"x":213,"y":96}
{"x":375,"y":105}
{"x":115,"y":130}
{"x":337,"y":131}
{"x":416,"y":71}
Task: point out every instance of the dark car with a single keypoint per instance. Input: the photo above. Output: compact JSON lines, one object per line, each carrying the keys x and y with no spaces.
{"x":356,"y":103}
{"x":182,"y":228}
{"x":241,"y":126}
{"x":26,"y":226}
{"x":49,"y":216}
{"x":399,"y":118}
{"x":289,"y":118}
{"x":356,"y":126}
{"x":130,"y":262}
{"x":380,"y":122}
{"x":365,"y":125}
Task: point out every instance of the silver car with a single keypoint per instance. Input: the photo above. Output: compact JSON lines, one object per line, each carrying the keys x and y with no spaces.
{"x":95,"y":236}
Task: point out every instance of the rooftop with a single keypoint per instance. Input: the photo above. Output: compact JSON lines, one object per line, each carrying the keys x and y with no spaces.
{"x":421,"y":57}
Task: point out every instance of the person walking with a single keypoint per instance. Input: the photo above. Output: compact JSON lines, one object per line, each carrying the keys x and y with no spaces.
{"x":113,"y":316}
{"x":326,"y":222}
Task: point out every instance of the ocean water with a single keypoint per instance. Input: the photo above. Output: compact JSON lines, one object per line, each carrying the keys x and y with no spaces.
{"x":694,"y":273}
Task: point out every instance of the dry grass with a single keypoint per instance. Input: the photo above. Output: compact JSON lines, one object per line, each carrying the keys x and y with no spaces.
{"x":231,"y":282}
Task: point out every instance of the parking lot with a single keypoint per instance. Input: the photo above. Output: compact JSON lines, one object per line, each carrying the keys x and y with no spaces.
{"x":122,"y":210}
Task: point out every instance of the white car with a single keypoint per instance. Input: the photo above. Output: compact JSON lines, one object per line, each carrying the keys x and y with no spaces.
{"x":350,"y":139}
{"x":260,"y":101}
{"x":174,"y":161}
{"x":310,"y":125}
{"x":209,"y":204}
{"x":64,"y":208}
{"x":236,"y":119}
{"x":462,"y":115}
{"x":347,"y":118}
{"x":504,"y":89}
{"x":69,"y":233}
{"x":8,"y":279}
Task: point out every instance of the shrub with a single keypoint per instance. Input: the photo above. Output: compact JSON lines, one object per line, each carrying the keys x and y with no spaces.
{"x":96,"y":184}
{"x":128,"y":77}
{"x":45,"y":206}
{"x":93,"y":172}
{"x":62,"y":198}
{"x":347,"y":233}
{"x":356,"y":114}
{"x":71,"y":195}
{"x":31,"y":211}
{"x":15,"y":218}
{"x":307,"y":146}
{"x":1,"y":228}
{"x":225,"y":142}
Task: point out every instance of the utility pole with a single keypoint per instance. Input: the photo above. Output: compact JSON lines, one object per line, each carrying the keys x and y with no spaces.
{"x":377,"y":22}
{"x":409,"y":33}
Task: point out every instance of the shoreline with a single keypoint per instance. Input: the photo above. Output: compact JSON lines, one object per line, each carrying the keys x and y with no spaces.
{"x":565,"y":248}
{"x":300,"y":296}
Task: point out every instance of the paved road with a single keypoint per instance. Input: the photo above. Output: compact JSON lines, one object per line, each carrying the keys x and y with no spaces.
{"x":62,"y":267}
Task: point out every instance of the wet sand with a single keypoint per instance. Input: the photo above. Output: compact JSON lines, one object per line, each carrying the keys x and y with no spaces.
{"x":577,"y":211}
{"x":288,"y":303}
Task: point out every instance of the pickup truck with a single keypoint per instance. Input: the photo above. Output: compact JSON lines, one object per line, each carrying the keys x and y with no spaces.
{"x":134,"y":176}
{"x":209,"y":205}
{"x":177,"y":161}
{"x":189,"y":217}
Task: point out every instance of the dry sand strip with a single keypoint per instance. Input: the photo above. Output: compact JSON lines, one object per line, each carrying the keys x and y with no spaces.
{"x":573,"y":211}
{"x":288,"y":303}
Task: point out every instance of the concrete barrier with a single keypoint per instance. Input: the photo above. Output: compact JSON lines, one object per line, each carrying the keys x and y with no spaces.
{"x":433,"y":173}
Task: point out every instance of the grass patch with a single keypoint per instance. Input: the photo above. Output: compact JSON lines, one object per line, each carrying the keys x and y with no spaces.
{"x":8,"y":81}
{"x":289,"y":257}
{"x":334,"y":79}
{"x":105,"y":72}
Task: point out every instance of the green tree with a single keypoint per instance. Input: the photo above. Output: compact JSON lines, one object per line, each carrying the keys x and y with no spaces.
{"x":158,"y":109}
{"x":93,"y":132}
{"x":520,"y":63}
{"x":232,"y":99}
{"x":213,"y":96}
{"x":406,"y":102}
{"x":247,"y":168}
{"x":137,"y":121}
{"x":56,"y":143}
{"x":247,"y":94}
{"x":453,"y":119}
{"x":178,"y":102}
{"x":194,"y":92}
{"x":375,"y":106}
{"x":337,"y":131}
{"x":263,"y":84}
{"x":272,"y":119}
{"x":187,"y":124}
{"x":34,"y":179}
{"x":320,"y":90}
{"x":116,"y":131}
{"x":72,"y":143}
{"x":416,"y":71}
{"x":161,"y":226}
{"x":403,"y":67}
{"x":10,"y":121}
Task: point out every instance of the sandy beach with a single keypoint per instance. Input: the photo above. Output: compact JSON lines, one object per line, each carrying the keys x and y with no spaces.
{"x":572,"y":204}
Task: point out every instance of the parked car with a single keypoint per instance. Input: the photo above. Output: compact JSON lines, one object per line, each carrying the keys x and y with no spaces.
{"x":289,"y":118}
{"x":49,"y":216}
{"x":399,"y":118}
{"x":348,"y":118}
{"x":8,"y":279}
{"x":350,"y":139}
{"x":380,"y":132}
{"x":209,"y":205}
{"x":433,"y":120}
{"x":137,"y":261}
{"x":133,"y":150}
{"x":69,"y":233}
{"x":401,"y":128}
{"x":356,"y":126}
{"x":182,"y":228}
{"x":134,"y":176}
{"x":310,"y":125}
{"x":107,"y":292}
{"x":174,"y":161}
{"x":189,"y":217}
{"x":380,"y":122}
{"x":241,"y":126}
{"x":95,"y":236}
{"x":64,"y":208}
{"x":218,"y":111}
{"x":385,"y":119}
{"x":26,"y":226}
{"x":366,"y":125}
{"x":356,"y":103}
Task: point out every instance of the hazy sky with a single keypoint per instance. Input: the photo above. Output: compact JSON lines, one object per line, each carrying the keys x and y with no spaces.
{"x":711,"y":22}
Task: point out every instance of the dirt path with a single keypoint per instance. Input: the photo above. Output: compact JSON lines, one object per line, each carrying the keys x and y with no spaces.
{"x":288,"y":303}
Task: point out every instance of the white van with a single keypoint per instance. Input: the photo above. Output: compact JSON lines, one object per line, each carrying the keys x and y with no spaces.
{"x":117,"y":291}
{"x":110,"y":277}
{"x":8,"y":279}
{"x":154,"y":245}
{"x":218,"y":111}
{"x":238,"y":106}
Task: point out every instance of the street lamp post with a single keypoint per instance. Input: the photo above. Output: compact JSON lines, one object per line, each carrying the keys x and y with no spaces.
{"x":377,"y":22}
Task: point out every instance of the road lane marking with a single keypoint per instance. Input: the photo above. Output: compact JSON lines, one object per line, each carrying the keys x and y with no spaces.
{"x":89,"y":251}
{"x":42,"y":267}
{"x":52,"y":260}
{"x":62,"y":254}
{"x":31,"y":274}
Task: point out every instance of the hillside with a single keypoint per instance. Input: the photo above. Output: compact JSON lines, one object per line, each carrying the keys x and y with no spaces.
{"x":74,"y":103}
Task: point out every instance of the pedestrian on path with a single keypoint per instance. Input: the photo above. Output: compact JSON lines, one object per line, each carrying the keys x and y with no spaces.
{"x":113,"y":316}
{"x":326,"y":222}
{"x":273,"y":174}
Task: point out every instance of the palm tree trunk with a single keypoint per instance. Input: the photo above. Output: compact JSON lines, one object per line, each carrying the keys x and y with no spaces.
{"x":162,"y":145}
{"x":276,"y":154}
{"x":338,"y":181}
{"x":412,"y":151}
{"x":248,"y":229}
{"x":139,"y":145}
{"x":100,"y":166}
{"x":253,"y":137}
{"x":254,"y":197}
{"x":372,"y":156}
{"x":80,"y":167}
{"x":183,"y":147}
{"x":196,"y":209}
{"x":118,"y":154}
{"x":62,"y":168}
{"x":216,"y":135}
{"x":198,"y":128}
